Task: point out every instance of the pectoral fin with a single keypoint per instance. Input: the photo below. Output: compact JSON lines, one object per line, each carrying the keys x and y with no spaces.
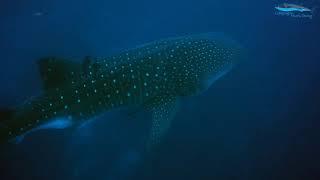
{"x":162,"y":114}
{"x":57,"y":123}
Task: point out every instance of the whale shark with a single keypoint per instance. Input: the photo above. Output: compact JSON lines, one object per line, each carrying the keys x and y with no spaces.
{"x":152,"y":77}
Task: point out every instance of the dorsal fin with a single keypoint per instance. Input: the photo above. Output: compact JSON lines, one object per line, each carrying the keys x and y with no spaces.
{"x":56,"y":72}
{"x":86,"y":64}
{"x":90,"y":67}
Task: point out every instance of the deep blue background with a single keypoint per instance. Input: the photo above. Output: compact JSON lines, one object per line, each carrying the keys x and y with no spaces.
{"x":261,"y":121}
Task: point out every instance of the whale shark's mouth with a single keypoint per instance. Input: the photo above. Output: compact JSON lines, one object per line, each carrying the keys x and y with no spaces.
{"x":214,"y":77}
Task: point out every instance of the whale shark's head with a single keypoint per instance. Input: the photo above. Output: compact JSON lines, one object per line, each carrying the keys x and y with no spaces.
{"x":207,"y":57}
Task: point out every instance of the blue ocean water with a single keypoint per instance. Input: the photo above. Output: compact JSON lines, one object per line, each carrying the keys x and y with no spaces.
{"x":260,"y":121}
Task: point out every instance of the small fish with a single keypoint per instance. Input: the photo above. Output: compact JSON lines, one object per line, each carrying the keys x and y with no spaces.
{"x":39,"y":13}
{"x":286,"y":7}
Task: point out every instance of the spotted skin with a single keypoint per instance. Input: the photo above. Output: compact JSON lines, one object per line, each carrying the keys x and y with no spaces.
{"x":153,"y":76}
